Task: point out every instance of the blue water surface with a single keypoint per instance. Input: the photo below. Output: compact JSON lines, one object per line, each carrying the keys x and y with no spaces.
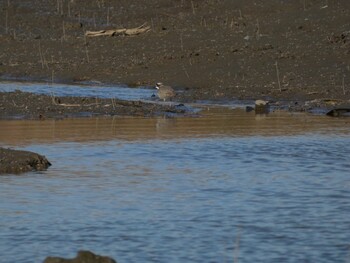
{"x":218,"y":199}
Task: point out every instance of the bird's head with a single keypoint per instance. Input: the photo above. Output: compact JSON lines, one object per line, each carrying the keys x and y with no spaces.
{"x":158,"y":85}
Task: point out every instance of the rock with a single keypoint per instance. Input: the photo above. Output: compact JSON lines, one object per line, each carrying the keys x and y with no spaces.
{"x":249,"y":108}
{"x":14,"y":162}
{"x":342,"y":112}
{"x":82,"y":257}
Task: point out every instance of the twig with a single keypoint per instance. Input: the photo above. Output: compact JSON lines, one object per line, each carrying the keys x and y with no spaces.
{"x":343,"y":84}
{"x":120,"y":32}
{"x":77,"y":105}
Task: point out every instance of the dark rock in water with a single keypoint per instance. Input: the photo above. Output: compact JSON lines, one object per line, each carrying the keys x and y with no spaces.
{"x":343,"y":112}
{"x":249,"y":108}
{"x":82,"y":257}
{"x":14,"y":162}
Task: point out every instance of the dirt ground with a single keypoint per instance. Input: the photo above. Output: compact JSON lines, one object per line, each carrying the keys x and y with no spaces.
{"x":215,"y":49}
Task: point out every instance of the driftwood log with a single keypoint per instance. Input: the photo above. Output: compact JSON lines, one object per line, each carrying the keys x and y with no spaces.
{"x":119,"y":32}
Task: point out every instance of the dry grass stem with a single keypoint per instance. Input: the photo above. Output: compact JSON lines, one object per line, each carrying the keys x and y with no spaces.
{"x":62,"y":8}
{"x":64,"y":31}
{"x":41,"y":56}
{"x":188,"y":76}
{"x":45,"y":62}
{"x":87,"y":54}
{"x":108,"y":16}
{"x":181,"y":42}
{"x":68,"y":9}
{"x":278,"y":76}
{"x":6,"y":22}
{"x":53,"y":98}
{"x":193,"y":10}
{"x":85,"y":41}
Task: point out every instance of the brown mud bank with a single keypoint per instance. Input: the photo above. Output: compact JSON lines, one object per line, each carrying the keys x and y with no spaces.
{"x":23,"y":105}
{"x":15,"y":162}
{"x":215,"y":49}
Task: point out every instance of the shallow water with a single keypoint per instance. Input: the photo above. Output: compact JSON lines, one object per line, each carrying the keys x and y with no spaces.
{"x":119,"y":92}
{"x":225,"y":187}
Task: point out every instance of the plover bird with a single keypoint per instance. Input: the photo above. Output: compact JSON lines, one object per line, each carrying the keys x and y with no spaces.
{"x":165,"y":92}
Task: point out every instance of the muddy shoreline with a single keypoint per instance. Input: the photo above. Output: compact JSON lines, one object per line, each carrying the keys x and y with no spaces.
{"x":294,"y":54}
{"x":279,"y":50}
{"x":24,"y":105}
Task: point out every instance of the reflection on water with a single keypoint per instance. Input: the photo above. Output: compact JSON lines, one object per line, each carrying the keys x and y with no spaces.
{"x":202,"y":189}
{"x":213,"y":122}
